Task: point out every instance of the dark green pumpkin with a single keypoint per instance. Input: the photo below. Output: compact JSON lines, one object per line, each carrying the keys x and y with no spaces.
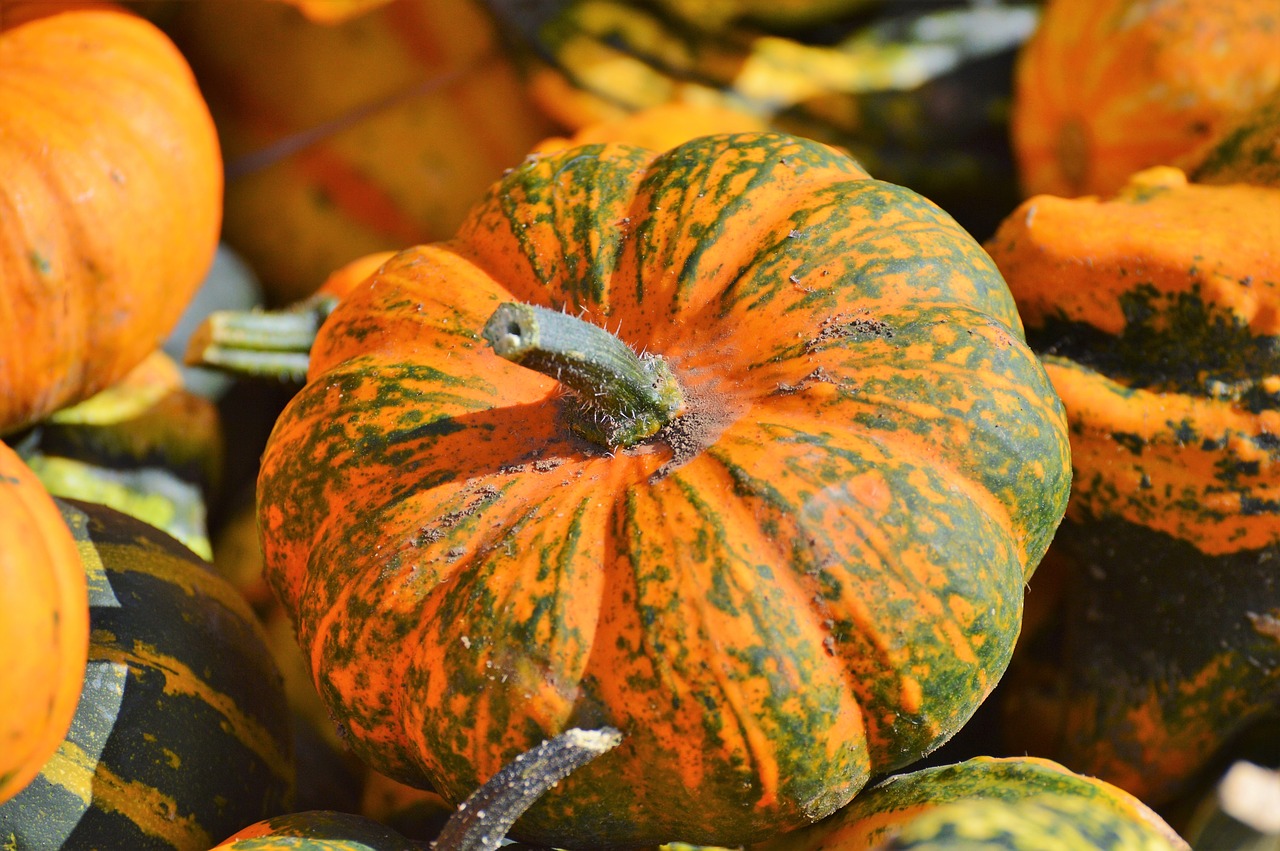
{"x":182,"y":732}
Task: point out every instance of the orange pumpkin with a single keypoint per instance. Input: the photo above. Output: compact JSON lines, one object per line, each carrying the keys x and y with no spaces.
{"x":45,"y":628}
{"x":1105,"y":88}
{"x":352,"y":138}
{"x":109,"y":208}
{"x":813,"y":574}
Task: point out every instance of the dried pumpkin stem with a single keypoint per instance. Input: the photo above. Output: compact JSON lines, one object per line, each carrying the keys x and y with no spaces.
{"x":260,"y":343}
{"x":625,"y":397}
{"x":482,"y":821}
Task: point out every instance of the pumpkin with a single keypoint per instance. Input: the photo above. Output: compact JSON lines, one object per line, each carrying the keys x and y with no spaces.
{"x":319,"y":830}
{"x":46,"y":631}
{"x":146,"y":446}
{"x":811,"y":573}
{"x":1106,"y":88}
{"x":1248,"y":151}
{"x":919,"y":97}
{"x":334,"y":11}
{"x":347,"y":139}
{"x":659,"y":127}
{"x":181,"y":735}
{"x":1157,"y":316}
{"x":1012,"y":802}
{"x":110,"y":206}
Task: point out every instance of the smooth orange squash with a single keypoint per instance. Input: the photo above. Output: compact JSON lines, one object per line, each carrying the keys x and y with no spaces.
{"x":45,"y":629}
{"x":109,"y":208}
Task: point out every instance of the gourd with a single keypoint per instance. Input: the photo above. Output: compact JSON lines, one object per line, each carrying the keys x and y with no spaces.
{"x":110,"y":206}
{"x":1247,"y":151}
{"x":920,"y":98}
{"x":1013,"y":802}
{"x":811,"y":573}
{"x":146,"y":446}
{"x":46,"y":631}
{"x":1106,"y":88}
{"x":181,"y":735}
{"x":1155,"y":313}
{"x":319,"y":830}
{"x":355,"y":137}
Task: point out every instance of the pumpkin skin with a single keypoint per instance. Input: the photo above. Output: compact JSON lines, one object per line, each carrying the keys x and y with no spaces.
{"x":988,"y":800}
{"x":346,"y":139}
{"x":110,"y":208}
{"x":1247,"y":152}
{"x":181,"y":735}
{"x":1156,"y":315}
{"x":46,"y":633}
{"x":823,"y":585}
{"x":1106,"y":88}
{"x":319,"y":830}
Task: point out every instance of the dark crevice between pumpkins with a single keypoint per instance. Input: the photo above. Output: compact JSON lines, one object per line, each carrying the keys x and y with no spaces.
{"x":1172,"y":344}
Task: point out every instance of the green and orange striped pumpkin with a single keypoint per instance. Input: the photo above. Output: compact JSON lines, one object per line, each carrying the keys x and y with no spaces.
{"x":181,"y":735}
{"x":1157,"y":313}
{"x":812,"y":573}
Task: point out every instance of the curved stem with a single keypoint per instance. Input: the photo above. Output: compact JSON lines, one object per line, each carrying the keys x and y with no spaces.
{"x":260,"y":343}
{"x":625,"y":397}
{"x":481,"y":821}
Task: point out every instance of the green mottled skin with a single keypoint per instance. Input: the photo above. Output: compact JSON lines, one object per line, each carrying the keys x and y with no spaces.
{"x":1248,"y":152}
{"x":1023,"y":804}
{"x":813,"y":576}
{"x":320,"y":830}
{"x":182,"y":734}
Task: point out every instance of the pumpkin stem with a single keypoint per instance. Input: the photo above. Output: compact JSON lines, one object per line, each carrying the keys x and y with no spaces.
{"x":482,"y":820}
{"x":260,"y":343}
{"x":624,"y":397}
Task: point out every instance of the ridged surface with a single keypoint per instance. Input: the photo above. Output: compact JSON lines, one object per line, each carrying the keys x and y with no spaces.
{"x":1018,"y":803}
{"x":1105,"y":88}
{"x":1158,"y":316}
{"x":813,"y":576}
{"x":110,"y":206}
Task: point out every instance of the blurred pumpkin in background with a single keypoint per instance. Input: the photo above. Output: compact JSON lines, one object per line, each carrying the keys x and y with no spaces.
{"x":345,"y":139}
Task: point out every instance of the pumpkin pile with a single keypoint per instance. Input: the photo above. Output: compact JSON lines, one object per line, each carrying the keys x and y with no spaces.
{"x":815,"y":424}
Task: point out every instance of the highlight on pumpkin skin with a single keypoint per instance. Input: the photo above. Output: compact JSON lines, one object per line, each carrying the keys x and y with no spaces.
{"x":121,"y":109}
